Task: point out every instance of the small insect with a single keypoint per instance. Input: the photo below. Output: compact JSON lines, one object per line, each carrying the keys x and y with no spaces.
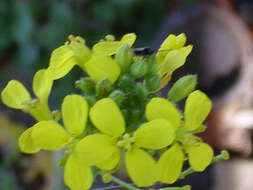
{"x":144,"y":51}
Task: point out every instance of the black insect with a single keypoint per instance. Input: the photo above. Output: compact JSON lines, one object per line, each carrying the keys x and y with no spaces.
{"x":144,"y":51}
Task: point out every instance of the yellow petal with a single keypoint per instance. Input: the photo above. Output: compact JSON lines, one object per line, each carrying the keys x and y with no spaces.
{"x":41,"y":112}
{"x":61,"y":62}
{"x":77,"y":175}
{"x":49,"y":135}
{"x":106,"y":116}
{"x":141,"y":168}
{"x":163,"y":109}
{"x":42,"y":85}
{"x":200,"y":156}
{"x":155,"y":134}
{"x":26,"y":143}
{"x":170,"y":43}
{"x":95,"y":149}
{"x":99,"y":67}
{"x":128,"y":39}
{"x":197,"y":108}
{"x":111,"y":162}
{"x":75,"y":113}
{"x":15,"y":95}
{"x":170,"y":164}
{"x":174,"y":59}
{"x":106,"y":48}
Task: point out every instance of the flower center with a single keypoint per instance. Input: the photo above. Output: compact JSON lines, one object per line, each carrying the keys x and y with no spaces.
{"x":126,"y":142}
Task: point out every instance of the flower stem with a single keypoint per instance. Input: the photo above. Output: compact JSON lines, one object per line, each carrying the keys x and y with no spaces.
{"x":224,"y":155}
{"x":123,"y":184}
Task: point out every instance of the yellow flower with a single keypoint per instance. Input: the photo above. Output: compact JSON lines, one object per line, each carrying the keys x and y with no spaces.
{"x":107,"y":48}
{"x":103,"y":149}
{"x":64,"y":58}
{"x":200,"y":154}
{"x":49,"y":135}
{"x":16,"y":96}
{"x":171,"y":55}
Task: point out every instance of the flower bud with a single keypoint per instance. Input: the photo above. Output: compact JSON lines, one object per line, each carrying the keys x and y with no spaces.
{"x":86,"y":84}
{"x":182,"y":88}
{"x":126,"y":82}
{"x":152,"y":65}
{"x":118,"y":96}
{"x":141,"y":91}
{"x":152,"y":82}
{"x":139,"y":68}
{"x":124,"y":57}
{"x":103,"y":87}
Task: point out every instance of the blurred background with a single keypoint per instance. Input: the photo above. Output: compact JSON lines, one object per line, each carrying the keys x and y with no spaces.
{"x":220,"y":30}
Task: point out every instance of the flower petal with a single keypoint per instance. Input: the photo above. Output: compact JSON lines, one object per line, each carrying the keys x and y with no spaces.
{"x":106,"y":116}
{"x":171,"y":42}
{"x":106,"y":48}
{"x":15,"y":94}
{"x":174,"y":59}
{"x":61,"y":62}
{"x":200,"y":156}
{"x":197,"y":108}
{"x":155,"y":134}
{"x":141,"y":168}
{"x":163,"y":109}
{"x":42,"y":85}
{"x":111,"y":162}
{"x":49,"y":135}
{"x":99,"y":67}
{"x":170,"y":164}
{"x":128,"y":39}
{"x":41,"y":112}
{"x":26,"y":143}
{"x":77,"y":175}
{"x":74,"y":113}
{"x":95,"y":149}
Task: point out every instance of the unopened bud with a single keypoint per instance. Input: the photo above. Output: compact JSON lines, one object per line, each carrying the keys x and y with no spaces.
{"x":109,"y":37}
{"x":152,"y":65}
{"x":152,"y":82}
{"x":124,"y":57}
{"x":139,"y":68}
{"x":141,"y":91}
{"x":106,"y":178}
{"x":126,"y":82}
{"x":86,"y":84}
{"x":103,"y":87}
{"x":182,"y":88}
{"x":118,"y":96}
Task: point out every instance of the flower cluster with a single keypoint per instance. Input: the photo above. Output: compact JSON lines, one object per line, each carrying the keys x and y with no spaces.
{"x":120,"y":116}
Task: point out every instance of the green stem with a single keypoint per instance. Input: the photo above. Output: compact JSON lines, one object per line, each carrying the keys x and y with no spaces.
{"x":122,"y":183}
{"x":224,"y":155}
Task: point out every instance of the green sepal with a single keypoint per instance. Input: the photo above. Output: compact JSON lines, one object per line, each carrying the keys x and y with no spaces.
{"x":139,"y":68}
{"x":141,"y":91}
{"x":103,"y":87}
{"x":126,"y":82}
{"x":118,"y":96}
{"x":124,"y":57}
{"x":62,"y":162}
{"x":86,"y":84}
{"x":152,"y":82}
